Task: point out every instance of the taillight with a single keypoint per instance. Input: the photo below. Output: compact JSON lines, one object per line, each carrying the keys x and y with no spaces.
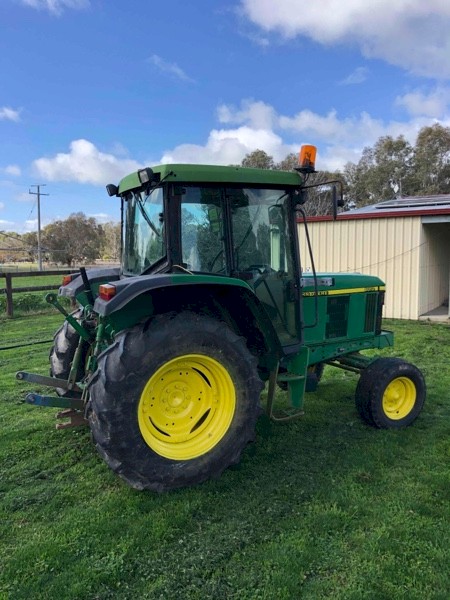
{"x":107,"y":291}
{"x":67,"y":279}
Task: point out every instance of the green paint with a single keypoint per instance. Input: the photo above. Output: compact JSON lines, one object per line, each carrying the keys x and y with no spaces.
{"x":215,"y":174}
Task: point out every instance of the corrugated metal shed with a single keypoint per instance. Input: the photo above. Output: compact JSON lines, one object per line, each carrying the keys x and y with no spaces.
{"x":405,"y":241}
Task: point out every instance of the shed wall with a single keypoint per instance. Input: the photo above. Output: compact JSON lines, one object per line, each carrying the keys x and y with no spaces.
{"x":388,"y":248}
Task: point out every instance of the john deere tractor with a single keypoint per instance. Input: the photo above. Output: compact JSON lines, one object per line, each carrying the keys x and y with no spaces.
{"x":166,"y":357}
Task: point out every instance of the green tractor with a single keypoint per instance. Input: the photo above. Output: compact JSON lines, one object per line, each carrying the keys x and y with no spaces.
{"x":166,"y":357}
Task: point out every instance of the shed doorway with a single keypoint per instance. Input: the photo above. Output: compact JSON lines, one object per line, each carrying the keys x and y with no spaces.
{"x":434,"y":278}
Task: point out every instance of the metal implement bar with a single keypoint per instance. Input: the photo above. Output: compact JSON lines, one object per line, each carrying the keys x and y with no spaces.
{"x":59,"y":402}
{"x":53,"y":299}
{"x":44,"y":380}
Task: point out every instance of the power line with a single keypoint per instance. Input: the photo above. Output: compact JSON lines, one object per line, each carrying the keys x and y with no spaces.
{"x":20,"y":241}
{"x":32,"y":209}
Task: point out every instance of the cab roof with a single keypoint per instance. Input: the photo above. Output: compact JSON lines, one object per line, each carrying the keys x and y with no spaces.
{"x":215,"y":174}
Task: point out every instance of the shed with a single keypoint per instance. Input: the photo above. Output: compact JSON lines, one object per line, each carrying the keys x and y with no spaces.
{"x":406,"y":242}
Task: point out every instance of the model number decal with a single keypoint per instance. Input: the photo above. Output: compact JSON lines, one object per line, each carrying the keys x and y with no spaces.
{"x":347,"y":291}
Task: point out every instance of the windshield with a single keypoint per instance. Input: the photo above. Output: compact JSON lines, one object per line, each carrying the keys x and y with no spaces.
{"x":144,"y":237}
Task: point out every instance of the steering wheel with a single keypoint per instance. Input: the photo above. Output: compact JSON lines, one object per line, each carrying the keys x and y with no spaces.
{"x":214,"y":260}
{"x":262,"y":269}
{"x":263,"y":272}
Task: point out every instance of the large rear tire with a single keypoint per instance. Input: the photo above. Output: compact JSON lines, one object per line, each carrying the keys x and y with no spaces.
{"x":174,"y":401}
{"x":65,"y":343}
{"x":390,"y":393}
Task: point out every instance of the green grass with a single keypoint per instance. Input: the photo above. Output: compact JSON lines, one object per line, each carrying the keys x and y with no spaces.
{"x":325,"y":507}
{"x":30,"y":302}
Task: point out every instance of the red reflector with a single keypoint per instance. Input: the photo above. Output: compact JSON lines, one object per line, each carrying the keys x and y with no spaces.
{"x":107,"y":291}
{"x":67,"y":279}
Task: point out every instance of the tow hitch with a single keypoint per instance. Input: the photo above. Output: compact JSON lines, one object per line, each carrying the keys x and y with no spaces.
{"x":73,"y":406}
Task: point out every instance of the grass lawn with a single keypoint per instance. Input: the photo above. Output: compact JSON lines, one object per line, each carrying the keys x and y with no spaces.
{"x":324,"y":507}
{"x":29,"y":302}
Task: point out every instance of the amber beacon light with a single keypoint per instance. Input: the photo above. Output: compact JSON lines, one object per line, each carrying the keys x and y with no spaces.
{"x":307,"y":159}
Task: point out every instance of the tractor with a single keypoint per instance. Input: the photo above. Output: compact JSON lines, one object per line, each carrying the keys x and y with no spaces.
{"x":166,"y":357}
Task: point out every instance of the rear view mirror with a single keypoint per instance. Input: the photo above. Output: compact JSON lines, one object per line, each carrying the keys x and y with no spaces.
{"x":338,"y":199}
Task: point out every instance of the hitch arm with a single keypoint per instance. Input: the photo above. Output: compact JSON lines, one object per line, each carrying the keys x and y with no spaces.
{"x":53,"y":299}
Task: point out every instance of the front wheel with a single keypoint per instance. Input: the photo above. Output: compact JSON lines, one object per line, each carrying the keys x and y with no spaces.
{"x":390,"y":393}
{"x":174,"y":401}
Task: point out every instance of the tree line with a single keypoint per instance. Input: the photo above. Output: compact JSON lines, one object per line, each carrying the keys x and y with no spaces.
{"x":392,"y":168}
{"x":75,"y":240}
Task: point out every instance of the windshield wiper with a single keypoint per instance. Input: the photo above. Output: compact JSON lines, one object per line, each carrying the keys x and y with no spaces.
{"x":141,"y":204}
{"x":147,"y":218}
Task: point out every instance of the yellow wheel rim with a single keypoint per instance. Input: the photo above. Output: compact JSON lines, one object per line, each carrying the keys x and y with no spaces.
{"x":399,"y":398}
{"x":186,"y":407}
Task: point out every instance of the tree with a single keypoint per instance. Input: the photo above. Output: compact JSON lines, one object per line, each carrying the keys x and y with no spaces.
{"x":258,"y":159}
{"x":288,"y":163}
{"x":383,"y":172}
{"x":31,"y":244}
{"x":320,"y":197}
{"x":111,"y":241}
{"x":12,"y":248}
{"x":76,"y":239}
{"x":432,"y":160}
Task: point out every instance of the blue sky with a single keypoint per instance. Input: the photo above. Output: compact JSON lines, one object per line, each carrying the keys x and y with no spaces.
{"x":93,"y":89}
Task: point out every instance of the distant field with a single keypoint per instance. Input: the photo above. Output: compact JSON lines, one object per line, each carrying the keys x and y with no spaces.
{"x":325,"y":507}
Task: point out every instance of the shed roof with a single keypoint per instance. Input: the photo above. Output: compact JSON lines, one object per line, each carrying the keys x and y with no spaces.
{"x":411,"y":206}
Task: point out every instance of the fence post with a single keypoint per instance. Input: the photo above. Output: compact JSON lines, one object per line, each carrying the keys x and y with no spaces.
{"x":9,"y":296}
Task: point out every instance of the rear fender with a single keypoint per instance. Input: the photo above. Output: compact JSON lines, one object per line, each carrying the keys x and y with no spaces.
{"x":95,"y":276}
{"x":228,"y":299}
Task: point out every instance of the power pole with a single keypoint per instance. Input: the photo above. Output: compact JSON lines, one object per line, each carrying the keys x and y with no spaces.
{"x":39,"y":194}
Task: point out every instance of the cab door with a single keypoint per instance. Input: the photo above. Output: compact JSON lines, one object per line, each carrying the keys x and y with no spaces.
{"x":263,"y":254}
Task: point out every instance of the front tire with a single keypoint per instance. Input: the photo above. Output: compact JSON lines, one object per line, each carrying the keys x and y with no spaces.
{"x":390,"y":393}
{"x":174,"y":401}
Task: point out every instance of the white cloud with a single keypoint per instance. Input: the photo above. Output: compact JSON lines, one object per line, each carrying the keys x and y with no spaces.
{"x":431,"y":104}
{"x":169,"y":68}
{"x":7,"y":223}
{"x":256,"y":114}
{"x":31,"y":225}
{"x":250,"y":126}
{"x":24,"y":197}
{"x":12,"y":170}
{"x":228,"y":147}
{"x":2,"y":205}
{"x":258,"y":126}
{"x":9,"y":114}
{"x":103,"y":218}
{"x":56,"y":7}
{"x":359,"y":75}
{"x":85,"y":163}
{"x":412,"y":34}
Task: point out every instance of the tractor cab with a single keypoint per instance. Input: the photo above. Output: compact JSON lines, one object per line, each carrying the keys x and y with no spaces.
{"x":230,"y":228}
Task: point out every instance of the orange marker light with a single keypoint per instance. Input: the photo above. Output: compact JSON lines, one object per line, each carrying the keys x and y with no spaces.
{"x":307,"y":158}
{"x":67,"y":279}
{"x":107,"y":291}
